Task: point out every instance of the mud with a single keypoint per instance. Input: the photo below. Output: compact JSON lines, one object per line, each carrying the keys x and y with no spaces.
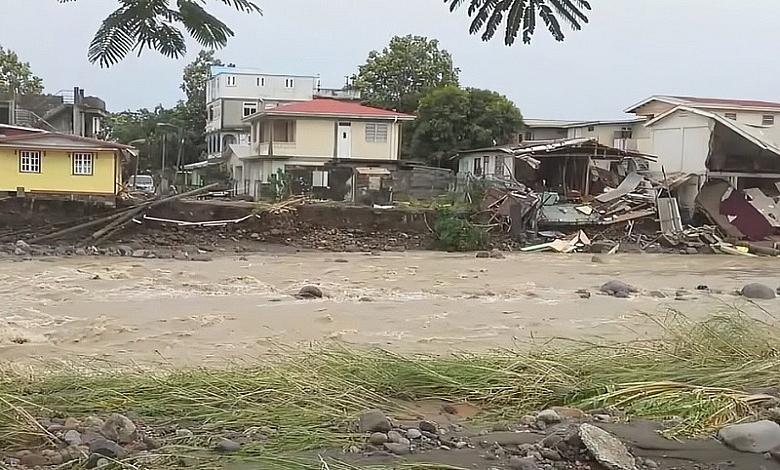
{"x":144,"y":310}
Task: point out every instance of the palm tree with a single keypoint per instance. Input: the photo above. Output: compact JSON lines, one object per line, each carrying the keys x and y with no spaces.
{"x":154,"y":24}
{"x":488,"y":15}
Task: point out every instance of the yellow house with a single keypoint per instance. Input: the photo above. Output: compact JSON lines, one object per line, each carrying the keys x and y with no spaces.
{"x":59,"y":165}
{"x":304,"y":139}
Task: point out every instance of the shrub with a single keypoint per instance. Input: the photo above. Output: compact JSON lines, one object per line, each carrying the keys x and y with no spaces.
{"x":455,"y":233}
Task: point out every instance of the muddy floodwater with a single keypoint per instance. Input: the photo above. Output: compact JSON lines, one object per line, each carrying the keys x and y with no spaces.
{"x":144,"y":310}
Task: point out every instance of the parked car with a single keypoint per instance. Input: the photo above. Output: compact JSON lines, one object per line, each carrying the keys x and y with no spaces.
{"x":141,"y":183}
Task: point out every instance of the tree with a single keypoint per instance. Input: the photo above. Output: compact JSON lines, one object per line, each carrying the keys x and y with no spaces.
{"x":488,"y":15}
{"x":193,"y":110}
{"x":401,"y":73}
{"x":16,"y":77}
{"x":450,"y":119}
{"x":156,"y":24}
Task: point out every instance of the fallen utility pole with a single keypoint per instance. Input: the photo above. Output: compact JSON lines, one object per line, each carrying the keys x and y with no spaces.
{"x":119,"y":219}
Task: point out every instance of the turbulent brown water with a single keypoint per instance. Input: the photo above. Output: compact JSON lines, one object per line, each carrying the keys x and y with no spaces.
{"x":130,"y":310}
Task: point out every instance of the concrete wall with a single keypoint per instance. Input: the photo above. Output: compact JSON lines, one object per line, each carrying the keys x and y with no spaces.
{"x":681,"y":142}
{"x":57,"y":176}
{"x":545,"y":133}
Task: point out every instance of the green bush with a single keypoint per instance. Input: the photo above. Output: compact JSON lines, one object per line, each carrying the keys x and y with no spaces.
{"x":455,"y":233}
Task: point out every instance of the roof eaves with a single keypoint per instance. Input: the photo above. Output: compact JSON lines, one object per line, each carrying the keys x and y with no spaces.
{"x":664,"y":98}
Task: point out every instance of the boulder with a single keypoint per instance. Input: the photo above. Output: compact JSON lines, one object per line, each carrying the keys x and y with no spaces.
{"x":226,"y":445}
{"x":606,"y":449}
{"x":378,"y":438}
{"x":483,"y":254}
{"x":72,"y":438}
{"x":119,"y":428}
{"x":758,"y":437}
{"x":398,"y":448}
{"x":413,"y":434}
{"x":758,"y":291}
{"x":107,"y":448}
{"x":374,"y":421}
{"x":309,"y":292}
{"x":549,"y":417}
{"x":395,"y":436}
{"x":428,"y":426}
{"x":618,"y":289}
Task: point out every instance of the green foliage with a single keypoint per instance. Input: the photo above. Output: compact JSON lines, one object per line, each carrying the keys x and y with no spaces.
{"x":489,"y":15}
{"x":16,"y":77}
{"x":282,"y":184}
{"x":157,"y":24}
{"x":450,"y":119}
{"x":402,"y":72}
{"x":455,"y":233}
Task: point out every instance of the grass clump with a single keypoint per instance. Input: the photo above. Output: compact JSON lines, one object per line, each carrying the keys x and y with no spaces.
{"x":454,"y":232}
{"x":702,"y":374}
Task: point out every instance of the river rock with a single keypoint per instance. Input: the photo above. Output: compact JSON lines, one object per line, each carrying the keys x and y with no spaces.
{"x":92,"y":422}
{"x":413,"y":434}
{"x":107,"y":448}
{"x":72,"y":438}
{"x":72,"y":423}
{"x":758,"y":437}
{"x":378,"y":438}
{"x":606,"y":449}
{"x":758,"y":291}
{"x":33,"y":460}
{"x":120,"y":429}
{"x":523,"y":463}
{"x":618,"y":289}
{"x":394,"y":436}
{"x":428,"y":426}
{"x":483,"y":254}
{"x":226,"y":445}
{"x":549,"y":417}
{"x":398,"y":448}
{"x":374,"y":421}
{"x":309,"y":292}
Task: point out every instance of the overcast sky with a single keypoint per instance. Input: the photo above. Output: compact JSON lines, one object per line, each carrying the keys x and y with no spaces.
{"x":631,"y":49}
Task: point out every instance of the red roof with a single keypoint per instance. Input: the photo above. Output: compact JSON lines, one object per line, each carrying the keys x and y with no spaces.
{"x":729,"y":102}
{"x":329,"y":107}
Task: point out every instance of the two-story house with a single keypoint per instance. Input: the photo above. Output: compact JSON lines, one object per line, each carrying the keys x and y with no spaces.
{"x":233,"y":93}
{"x":302,"y":139}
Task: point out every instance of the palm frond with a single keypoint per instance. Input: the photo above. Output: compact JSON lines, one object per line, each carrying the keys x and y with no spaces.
{"x":488,"y":15}
{"x":153,"y":24}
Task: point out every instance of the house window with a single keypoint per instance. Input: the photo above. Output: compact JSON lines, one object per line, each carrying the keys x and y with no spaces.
{"x":376,"y":132}
{"x":591,"y":128}
{"x":82,"y":163}
{"x":485,"y":163}
{"x":284,"y":131}
{"x":231,"y":80}
{"x":529,"y":136}
{"x":289,"y":83}
{"x":319,"y":179}
{"x":732,"y":116}
{"x":477,"y":167}
{"x":498,"y":168}
{"x":29,"y":161}
{"x":260,"y":81}
{"x":96,"y":125}
{"x":250,"y":109}
{"x":768,"y":120}
{"x":211,"y":113}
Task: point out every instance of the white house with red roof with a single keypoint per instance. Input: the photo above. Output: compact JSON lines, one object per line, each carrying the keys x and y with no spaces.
{"x":307,"y":136}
